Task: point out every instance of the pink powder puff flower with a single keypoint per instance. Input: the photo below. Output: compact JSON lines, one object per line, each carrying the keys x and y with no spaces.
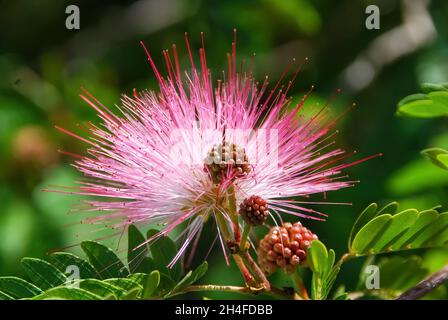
{"x":154,"y":164}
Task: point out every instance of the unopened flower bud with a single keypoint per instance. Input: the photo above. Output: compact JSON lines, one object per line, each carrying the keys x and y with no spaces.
{"x":284,"y":247}
{"x":254,"y":211}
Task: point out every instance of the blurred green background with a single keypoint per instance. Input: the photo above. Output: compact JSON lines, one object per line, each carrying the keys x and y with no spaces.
{"x":43,"y":65}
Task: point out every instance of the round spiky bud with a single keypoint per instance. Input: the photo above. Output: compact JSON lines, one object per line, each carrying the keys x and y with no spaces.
{"x":284,"y":247}
{"x":254,"y":210}
{"x":227,"y":160}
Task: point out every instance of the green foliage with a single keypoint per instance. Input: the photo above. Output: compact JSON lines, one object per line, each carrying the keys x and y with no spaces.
{"x":388,"y":230}
{"x":151,"y":283}
{"x":437,"y":156}
{"x":66,"y":293}
{"x":104,"y":276}
{"x":432,"y":103}
{"x":136,"y":251}
{"x":163,"y":250}
{"x":190,"y":278}
{"x":102,"y":288}
{"x":62,"y":260}
{"x":379,"y":231}
{"x":42,"y":274}
{"x":431,"y":87}
{"x":321,"y":262}
{"x":18,"y":288}
{"x":365,"y":216}
{"x":107,"y":264}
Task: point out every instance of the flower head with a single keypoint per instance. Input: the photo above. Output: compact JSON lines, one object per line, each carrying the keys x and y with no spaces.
{"x":197,"y":148}
{"x":284,"y":247}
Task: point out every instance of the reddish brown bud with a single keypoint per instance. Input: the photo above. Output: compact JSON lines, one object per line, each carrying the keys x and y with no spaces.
{"x":284,"y":247}
{"x":254,"y":211}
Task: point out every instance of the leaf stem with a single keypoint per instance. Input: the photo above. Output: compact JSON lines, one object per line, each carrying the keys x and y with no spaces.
{"x":300,"y":285}
{"x":222,"y":225}
{"x":248,"y":278}
{"x":246,"y":230}
{"x":274,"y":292}
{"x":259,"y":274}
{"x":231,"y":207}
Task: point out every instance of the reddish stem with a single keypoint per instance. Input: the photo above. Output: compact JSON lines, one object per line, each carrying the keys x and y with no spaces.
{"x":248,"y":278}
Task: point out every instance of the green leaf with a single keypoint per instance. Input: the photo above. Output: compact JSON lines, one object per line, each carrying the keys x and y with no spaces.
{"x":163,"y":250}
{"x":437,"y":156}
{"x":429,"y":87}
{"x":425,"y":219}
{"x":62,"y":260}
{"x":126,"y":284}
{"x":18,"y":288}
{"x":321,"y":263}
{"x":340,"y":290}
{"x":443,"y":160}
{"x":408,"y":229}
{"x":42,"y":274}
{"x":138,"y":278}
{"x":145,"y":266}
{"x":434,"y":235}
{"x":101,"y":288}
{"x":154,"y":284}
{"x":399,"y":224}
{"x":136,"y":254}
{"x":318,"y":257}
{"x":368,"y":214}
{"x":66,"y":293}
{"x":365,"y":238}
{"x":132,"y":295}
{"x":342,"y":296}
{"x":411,"y":98}
{"x":152,"y":281}
{"x":432,"y":104}
{"x":190,"y":278}
{"x":166,"y":284}
{"x":104,"y":260}
{"x":334,"y":271}
{"x":390,"y":208}
{"x":4,"y":296}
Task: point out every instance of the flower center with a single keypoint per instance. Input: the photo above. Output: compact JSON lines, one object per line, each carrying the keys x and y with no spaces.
{"x":227,"y":160}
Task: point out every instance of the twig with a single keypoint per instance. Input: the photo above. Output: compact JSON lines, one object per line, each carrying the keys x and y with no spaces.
{"x":427,"y":285}
{"x":212,"y":287}
{"x":258,"y":273}
{"x":246,"y":231}
{"x":248,"y":277}
{"x":275,"y":292}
